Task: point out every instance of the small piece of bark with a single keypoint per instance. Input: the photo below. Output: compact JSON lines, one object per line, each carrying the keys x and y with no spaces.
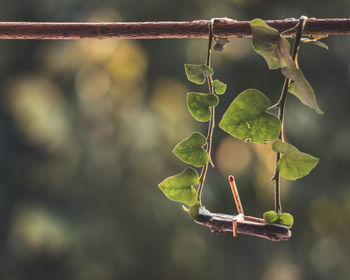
{"x":249,"y":226}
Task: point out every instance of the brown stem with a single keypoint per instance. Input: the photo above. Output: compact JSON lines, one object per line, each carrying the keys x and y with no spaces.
{"x":276,"y":177}
{"x":211,"y":121}
{"x":281,"y":107}
{"x":249,"y":226}
{"x":162,"y":30}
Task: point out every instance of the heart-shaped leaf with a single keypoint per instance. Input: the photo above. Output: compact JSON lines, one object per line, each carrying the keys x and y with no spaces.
{"x":246,"y":118}
{"x":268,"y":42}
{"x":219,"y":87}
{"x":180,"y":187}
{"x":197,"y":73}
{"x":191,"y":150}
{"x":293,"y":164}
{"x":198,"y":104}
{"x":285,"y":219}
{"x":270,"y":217}
{"x":301,"y":88}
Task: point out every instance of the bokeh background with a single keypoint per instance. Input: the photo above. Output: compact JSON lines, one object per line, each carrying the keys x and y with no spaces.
{"x":86,"y":133}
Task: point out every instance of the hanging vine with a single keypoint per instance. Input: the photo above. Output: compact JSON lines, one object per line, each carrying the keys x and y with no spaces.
{"x":249,"y":118}
{"x":191,"y":150}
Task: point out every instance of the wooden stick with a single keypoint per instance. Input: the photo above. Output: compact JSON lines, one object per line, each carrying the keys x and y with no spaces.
{"x":162,"y":30}
{"x":220,"y":223}
{"x":234,"y":189}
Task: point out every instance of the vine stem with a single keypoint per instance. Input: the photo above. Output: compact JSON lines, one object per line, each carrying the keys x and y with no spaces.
{"x":212,"y":118}
{"x":281,"y":108}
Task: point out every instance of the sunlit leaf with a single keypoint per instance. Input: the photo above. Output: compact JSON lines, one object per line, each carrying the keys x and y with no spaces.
{"x":191,"y":150}
{"x":246,"y":118}
{"x":283,"y":147}
{"x":293,"y":164}
{"x":198,"y":104}
{"x":268,"y":42}
{"x":180,"y":187}
{"x":197,"y":73}
{"x":286,"y":219}
{"x":219,"y":87}
{"x":270,"y":217}
{"x":301,"y":88}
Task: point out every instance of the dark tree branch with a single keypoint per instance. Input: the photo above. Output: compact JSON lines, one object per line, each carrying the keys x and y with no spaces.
{"x":249,"y":226}
{"x":162,"y":30}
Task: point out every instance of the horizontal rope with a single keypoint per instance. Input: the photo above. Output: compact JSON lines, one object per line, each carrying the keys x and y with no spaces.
{"x":162,"y":30}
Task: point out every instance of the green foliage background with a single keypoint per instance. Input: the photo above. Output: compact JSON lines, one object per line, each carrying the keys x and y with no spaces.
{"x":86,"y":133}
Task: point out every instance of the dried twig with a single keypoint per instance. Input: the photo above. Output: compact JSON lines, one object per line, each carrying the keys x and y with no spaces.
{"x":161,"y":30}
{"x":249,"y":226}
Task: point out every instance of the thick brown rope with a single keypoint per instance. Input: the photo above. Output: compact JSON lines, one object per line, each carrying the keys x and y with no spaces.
{"x":162,"y":30}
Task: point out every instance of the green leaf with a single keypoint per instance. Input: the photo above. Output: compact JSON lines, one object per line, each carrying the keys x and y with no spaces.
{"x":191,"y":150}
{"x":219,"y":46}
{"x":180,"y":187}
{"x":198,"y":104}
{"x":246,"y":118}
{"x":301,"y":88}
{"x":293,"y":164}
{"x":197,"y":73}
{"x":270,"y":217}
{"x":268,"y":42}
{"x":194,"y":210}
{"x":283,"y":147}
{"x":219,"y":87}
{"x":286,"y":219}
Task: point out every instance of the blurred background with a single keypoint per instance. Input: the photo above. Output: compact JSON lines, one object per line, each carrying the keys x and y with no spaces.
{"x":86,"y":133}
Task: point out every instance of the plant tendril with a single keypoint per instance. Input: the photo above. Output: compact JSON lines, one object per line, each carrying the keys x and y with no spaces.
{"x":212,"y":118}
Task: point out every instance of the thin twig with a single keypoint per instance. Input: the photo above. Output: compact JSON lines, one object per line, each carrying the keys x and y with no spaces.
{"x":281,"y":106}
{"x":212,"y":118}
{"x":162,"y":30}
{"x":249,"y":226}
